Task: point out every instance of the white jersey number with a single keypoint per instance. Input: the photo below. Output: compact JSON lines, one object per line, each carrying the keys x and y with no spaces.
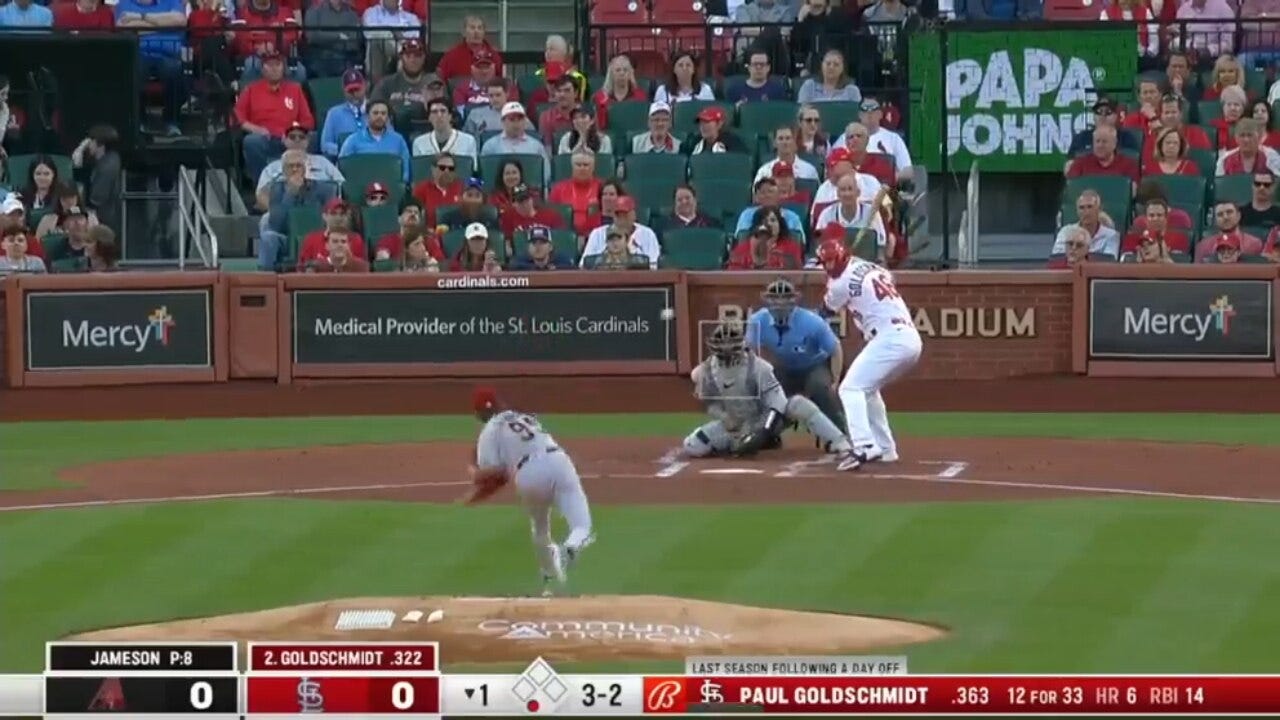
{"x":524,"y":427}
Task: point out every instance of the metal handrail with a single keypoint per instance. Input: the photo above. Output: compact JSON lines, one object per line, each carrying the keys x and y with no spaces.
{"x":193,"y":223}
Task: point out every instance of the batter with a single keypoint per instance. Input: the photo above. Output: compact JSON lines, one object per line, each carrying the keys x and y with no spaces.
{"x":515,"y":443}
{"x":891,"y":347}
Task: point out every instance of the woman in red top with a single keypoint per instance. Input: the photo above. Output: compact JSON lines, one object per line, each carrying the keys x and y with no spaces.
{"x":1226,"y":72}
{"x":1170,"y":156}
{"x":610,"y":191}
{"x":1233,"y":101}
{"x":1261,"y":112}
{"x":619,"y":85}
{"x":510,"y":175}
{"x":769,"y":246}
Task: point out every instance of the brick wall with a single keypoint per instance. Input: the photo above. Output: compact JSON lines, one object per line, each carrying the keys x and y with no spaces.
{"x":975,"y":325}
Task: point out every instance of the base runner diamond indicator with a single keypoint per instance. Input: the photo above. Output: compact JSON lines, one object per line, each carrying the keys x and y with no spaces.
{"x":524,"y":689}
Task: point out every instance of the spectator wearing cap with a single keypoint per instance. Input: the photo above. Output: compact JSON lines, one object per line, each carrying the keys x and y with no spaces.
{"x":13,"y":242}
{"x":1250,"y":155}
{"x":410,"y":88}
{"x":444,"y":187}
{"x":839,"y":164}
{"x":581,"y":192}
{"x":83,"y":15}
{"x":443,"y":137}
{"x":765,"y":195}
{"x":619,"y":86}
{"x":475,"y":254}
{"x":328,"y":53}
{"x":659,"y":138}
{"x":376,"y":194}
{"x":541,"y":253}
{"x":1104,"y":114}
{"x":711,"y":136}
{"x":1104,"y":160}
{"x":337,"y":219}
{"x":767,"y":247}
{"x":161,"y":25}
{"x":470,"y":209}
{"x":1261,"y":211}
{"x":319,"y":167}
{"x":456,"y":61}
{"x":340,"y":255}
{"x":640,"y":239}
{"x":265,"y":26}
{"x":525,"y":213}
{"x":25,"y":14}
{"x":831,"y":84}
{"x":348,"y":117}
{"x":784,"y":174}
{"x":294,"y":190}
{"x":1226,"y":219}
{"x":76,"y":225}
{"x":559,"y":117}
{"x":67,"y":202}
{"x":1155,"y":229}
{"x":759,"y":85}
{"x":487,"y":118}
{"x":684,"y":82}
{"x":553,"y":70}
{"x":475,"y":91}
{"x":616,"y":255}
{"x":685,"y":212}
{"x":786,"y":149}
{"x":877,"y":165}
{"x":851,"y":210}
{"x":14,"y":214}
{"x":515,"y":138}
{"x":881,"y":140}
{"x":266,"y":109}
{"x":1227,"y":249}
{"x":1099,"y":229}
{"x":392,"y":245}
{"x":378,"y":138}
{"x":584,"y":135}
{"x":387,"y":25}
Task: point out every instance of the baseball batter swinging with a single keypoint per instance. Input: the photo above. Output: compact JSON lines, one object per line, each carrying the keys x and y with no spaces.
{"x":513,"y":445}
{"x":746,"y":402}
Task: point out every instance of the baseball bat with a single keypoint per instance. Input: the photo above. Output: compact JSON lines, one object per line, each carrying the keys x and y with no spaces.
{"x":865,"y":230}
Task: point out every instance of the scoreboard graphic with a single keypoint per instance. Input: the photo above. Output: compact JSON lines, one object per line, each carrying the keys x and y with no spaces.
{"x":384,"y":679}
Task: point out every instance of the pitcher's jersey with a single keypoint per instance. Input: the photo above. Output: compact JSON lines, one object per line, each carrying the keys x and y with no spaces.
{"x":739,"y":393}
{"x":867,"y":291}
{"x":508,"y":438}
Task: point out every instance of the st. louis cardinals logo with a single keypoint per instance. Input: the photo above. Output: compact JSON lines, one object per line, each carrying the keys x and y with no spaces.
{"x":664,"y":695}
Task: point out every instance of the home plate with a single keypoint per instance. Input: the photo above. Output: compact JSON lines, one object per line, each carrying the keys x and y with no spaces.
{"x":732,"y":471}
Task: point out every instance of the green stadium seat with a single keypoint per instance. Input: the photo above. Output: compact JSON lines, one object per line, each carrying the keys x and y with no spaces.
{"x":694,"y":249}
{"x":684,"y":117}
{"x":629,"y":116}
{"x":562,"y":166}
{"x":17,"y":167}
{"x":360,"y":170}
{"x":565,"y":211}
{"x":715,"y":197}
{"x":325,"y":93}
{"x":238,"y":264}
{"x":1116,"y":193}
{"x":386,"y":265}
{"x":722,"y":166}
{"x":490,"y":214}
{"x":762,"y":118}
{"x":421,"y":166}
{"x":302,"y":220}
{"x":836,"y":116}
{"x":652,"y":166}
{"x":379,"y":221}
{"x":530,"y":83}
{"x":1185,"y":191}
{"x":817,"y":161}
{"x":1206,"y":160}
{"x":454,"y":239}
{"x":652,"y":191}
{"x":1236,"y":188}
{"x":533,"y":166}
{"x":56,"y":246}
{"x":1207,"y":110}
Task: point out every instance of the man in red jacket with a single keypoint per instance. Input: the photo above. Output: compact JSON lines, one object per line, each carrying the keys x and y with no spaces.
{"x":1157,"y":228}
{"x":444,"y":187}
{"x":456,"y":62}
{"x":266,"y":109}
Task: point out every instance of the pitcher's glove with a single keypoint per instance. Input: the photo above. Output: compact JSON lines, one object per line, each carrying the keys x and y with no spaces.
{"x":484,"y":484}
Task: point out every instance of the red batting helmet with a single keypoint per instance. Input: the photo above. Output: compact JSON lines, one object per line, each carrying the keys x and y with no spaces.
{"x":484,"y":398}
{"x":834,"y":256}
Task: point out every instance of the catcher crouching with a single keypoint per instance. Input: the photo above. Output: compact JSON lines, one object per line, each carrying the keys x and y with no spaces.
{"x":748,"y":408}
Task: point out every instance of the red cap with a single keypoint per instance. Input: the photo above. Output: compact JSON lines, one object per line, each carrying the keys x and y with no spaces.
{"x":1228,"y":240}
{"x":335,"y":205}
{"x":839,"y":155}
{"x":481,"y":57}
{"x":295,"y":126}
{"x":783,"y":168}
{"x":833,"y":231}
{"x":554,"y":71}
{"x":484,"y":398}
{"x":711,"y":113}
{"x":376,"y":187}
{"x":626,"y":203}
{"x":412,"y":45}
{"x":270,"y":53}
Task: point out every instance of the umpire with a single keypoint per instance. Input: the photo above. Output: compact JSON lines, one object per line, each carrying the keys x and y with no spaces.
{"x":801,"y":344}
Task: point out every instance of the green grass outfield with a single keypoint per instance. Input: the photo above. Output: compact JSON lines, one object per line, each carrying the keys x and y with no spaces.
{"x":1110,"y":585}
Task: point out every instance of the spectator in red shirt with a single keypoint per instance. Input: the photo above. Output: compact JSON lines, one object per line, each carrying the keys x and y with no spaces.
{"x":1148,"y":111}
{"x":444,"y":187}
{"x":768,"y":247}
{"x":391,"y":246}
{"x":341,"y":255}
{"x":1226,"y":72}
{"x":524,"y":214}
{"x":1227,"y":218}
{"x":510,"y":177}
{"x":1156,"y":229}
{"x":208,"y":36}
{"x":1171,"y":156}
{"x":1249,"y":156}
{"x":1271,"y":250}
{"x":266,"y":109}
{"x":1233,"y":102}
{"x":1104,"y":160}
{"x":475,"y":92}
{"x":580,"y":192}
{"x":881,"y":168}
{"x":785,"y":176}
{"x":619,"y":85}
{"x":1261,"y":111}
{"x":1171,"y":119}
{"x":337,"y":219}
{"x":456,"y":62}
{"x":559,"y":117}
{"x":261,"y":27}
{"x":83,"y":15}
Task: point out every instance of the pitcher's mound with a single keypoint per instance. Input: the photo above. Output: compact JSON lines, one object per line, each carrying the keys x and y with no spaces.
{"x":598,"y":627}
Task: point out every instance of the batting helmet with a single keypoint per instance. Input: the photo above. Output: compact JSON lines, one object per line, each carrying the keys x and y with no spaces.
{"x":834,"y":256}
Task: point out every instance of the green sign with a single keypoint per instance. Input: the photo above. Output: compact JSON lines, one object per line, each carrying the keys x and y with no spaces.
{"x":1013,"y":97}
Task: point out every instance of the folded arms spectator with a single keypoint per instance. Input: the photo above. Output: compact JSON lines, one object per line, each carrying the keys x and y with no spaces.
{"x":581,"y":192}
{"x":161,"y":24}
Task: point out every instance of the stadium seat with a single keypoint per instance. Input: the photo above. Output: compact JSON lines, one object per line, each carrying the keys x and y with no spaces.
{"x":490,"y":214}
{"x":1208,"y":110}
{"x":325,"y":93}
{"x":1186,"y":191}
{"x":562,"y":166}
{"x":817,"y":161}
{"x":565,"y":211}
{"x":531,"y":164}
{"x":1206,"y":160}
{"x":454,"y":239}
{"x":716,"y":196}
{"x":422,"y":165}
{"x":529,"y":83}
{"x":721,"y":166}
{"x":684,"y":118}
{"x":302,"y":220}
{"x":1236,"y":188}
{"x":19,"y":165}
{"x":360,"y":170}
{"x":379,"y":221}
{"x":694,"y":249}
{"x":629,"y":116}
{"x":762,"y":118}
{"x":836,"y":116}
{"x":386,"y":265}
{"x":55,"y":246}
{"x":652,"y":192}
{"x":1115,"y":191}
{"x":656,"y":166}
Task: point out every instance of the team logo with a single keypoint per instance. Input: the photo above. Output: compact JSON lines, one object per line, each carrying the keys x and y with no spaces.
{"x":664,"y":695}
{"x":310,"y":700}
{"x":109,"y":698}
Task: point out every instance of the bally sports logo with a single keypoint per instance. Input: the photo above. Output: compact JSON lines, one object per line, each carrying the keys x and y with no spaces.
{"x":157,"y":329}
{"x":664,"y":695}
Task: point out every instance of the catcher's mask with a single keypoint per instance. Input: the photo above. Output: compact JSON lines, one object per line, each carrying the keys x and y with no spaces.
{"x":727,"y":342}
{"x":780,"y":298}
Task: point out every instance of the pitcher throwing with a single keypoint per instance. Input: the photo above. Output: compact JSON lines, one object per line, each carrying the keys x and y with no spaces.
{"x":513,"y":446}
{"x":892,"y":347}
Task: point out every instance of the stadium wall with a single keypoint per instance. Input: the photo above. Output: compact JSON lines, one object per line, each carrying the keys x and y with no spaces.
{"x":207,"y":327}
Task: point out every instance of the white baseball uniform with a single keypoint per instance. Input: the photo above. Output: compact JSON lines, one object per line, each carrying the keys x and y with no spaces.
{"x":892,"y":348}
{"x":543,"y":475}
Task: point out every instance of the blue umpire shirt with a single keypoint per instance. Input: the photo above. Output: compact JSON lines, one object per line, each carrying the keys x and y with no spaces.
{"x":805,"y":342}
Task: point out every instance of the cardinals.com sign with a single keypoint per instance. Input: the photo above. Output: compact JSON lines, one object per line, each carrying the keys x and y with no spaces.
{"x":1012,"y":99}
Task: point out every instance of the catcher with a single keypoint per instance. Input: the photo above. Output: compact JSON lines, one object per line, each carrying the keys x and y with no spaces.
{"x":746,"y":402}
{"x":513,"y":446}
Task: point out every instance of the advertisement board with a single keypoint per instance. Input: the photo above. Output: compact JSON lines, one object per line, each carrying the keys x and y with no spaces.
{"x":1180,"y":319}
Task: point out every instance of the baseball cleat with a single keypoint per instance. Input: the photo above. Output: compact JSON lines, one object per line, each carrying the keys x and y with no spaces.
{"x":889,"y":457}
{"x":557,"y":554}
{"x":858,"y":458}
{"x":548,"y":586}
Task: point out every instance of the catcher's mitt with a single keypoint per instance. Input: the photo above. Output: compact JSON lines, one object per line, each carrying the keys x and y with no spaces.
{"x":484,"y":484}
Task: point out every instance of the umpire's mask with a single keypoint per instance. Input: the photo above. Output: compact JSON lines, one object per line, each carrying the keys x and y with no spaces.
{"x":780,"y":298}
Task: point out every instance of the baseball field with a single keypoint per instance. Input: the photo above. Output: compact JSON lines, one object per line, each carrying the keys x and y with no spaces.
{"x":1138,"y":538}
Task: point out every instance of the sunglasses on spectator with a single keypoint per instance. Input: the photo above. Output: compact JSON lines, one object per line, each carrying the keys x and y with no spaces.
{"x":1262,"y":183}
{"x":810,"y":119}
{"x":447,"y":168}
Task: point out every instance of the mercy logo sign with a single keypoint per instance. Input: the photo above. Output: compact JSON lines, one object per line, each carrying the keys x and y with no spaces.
{"x":1172,"y":319}
{"x":119,"y":329}
{"x":136,"y":337}
{"x":1222,"y":313}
